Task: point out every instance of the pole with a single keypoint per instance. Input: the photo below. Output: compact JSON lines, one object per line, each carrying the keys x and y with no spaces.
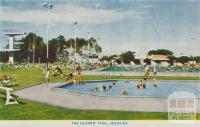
{"x":29,"y":51}
{"x":75,"y":45}
{"x":47,"y":33}
{"x":88,"y":47}
{"x":75,"y":36}
{"x":33,"y":49}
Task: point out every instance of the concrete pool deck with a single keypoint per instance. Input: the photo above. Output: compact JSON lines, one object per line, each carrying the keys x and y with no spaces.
{"x":67,"y":99}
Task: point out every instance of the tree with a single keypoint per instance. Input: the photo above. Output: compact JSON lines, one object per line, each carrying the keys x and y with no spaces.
{"x":137,"y":61}
{"x":3,"y":56}
{"x":161,"y":52}
{"x":127,"y":57}
{"x":147,"y":61}
{"x":80,"y":42}
{"x":118,"y":61}
{"x":32,"y":43}
{"x":195,"y":58}
{"x":183,"y":59}
{"x":34,"y":49}
{"x":171,"y":59}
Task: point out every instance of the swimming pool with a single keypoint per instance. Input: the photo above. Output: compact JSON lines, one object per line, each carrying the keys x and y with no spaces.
{"x":164,"y":89}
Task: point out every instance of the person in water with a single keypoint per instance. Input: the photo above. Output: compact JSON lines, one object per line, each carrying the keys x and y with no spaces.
{"x":96,"y":88}
{"x":114,"y":84}
{"x":144,"y":83}
{"x":104,"y":88}
{"x":124,"y":92}
{"x":110,"y":87}
{"x":126,"y":81}
{"x":154,"y":82}
{"x":139,"y":85}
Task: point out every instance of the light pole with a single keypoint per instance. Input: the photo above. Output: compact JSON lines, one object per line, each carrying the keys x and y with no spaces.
{"x":75,"y":24}
{"x":88,"y":47}
{"x":48,"y":6}
{"x":33,"y":48}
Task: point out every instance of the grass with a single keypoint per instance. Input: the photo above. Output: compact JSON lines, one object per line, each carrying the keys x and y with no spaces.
{"x":29,"y":110}
{"x":24,"y":77}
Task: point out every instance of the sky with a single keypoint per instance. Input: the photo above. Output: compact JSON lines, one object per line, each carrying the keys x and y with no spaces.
{"x":120,"y":25}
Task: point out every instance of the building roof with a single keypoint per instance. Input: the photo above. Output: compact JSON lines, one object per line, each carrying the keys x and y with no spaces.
{"x":158,"y":57}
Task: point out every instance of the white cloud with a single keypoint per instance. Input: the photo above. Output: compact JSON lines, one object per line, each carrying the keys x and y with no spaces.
{"x":67,"y":14}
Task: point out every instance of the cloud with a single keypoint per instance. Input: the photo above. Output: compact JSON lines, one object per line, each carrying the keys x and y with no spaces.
{"x":67,"y":13}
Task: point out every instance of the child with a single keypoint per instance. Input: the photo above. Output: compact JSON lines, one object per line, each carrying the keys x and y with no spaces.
{"x":139,"y":85}
{"x":124,"y":92}
{"x":144,"y":83}
{"x":154,"y":82}
{"x":126,"y":81}
{"x":104,"y":88}
{"x":47,"y":76}
{"x":110,"y":87}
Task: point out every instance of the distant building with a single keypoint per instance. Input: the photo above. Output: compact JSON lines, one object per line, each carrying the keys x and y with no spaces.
{"x":190,"y":63}
{"x":141,"y":58}
{"x":159,"y":59}
{"x":178,"y":64}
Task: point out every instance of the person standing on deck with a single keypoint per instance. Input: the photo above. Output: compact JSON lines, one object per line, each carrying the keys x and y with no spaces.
{"x":47,"y":76}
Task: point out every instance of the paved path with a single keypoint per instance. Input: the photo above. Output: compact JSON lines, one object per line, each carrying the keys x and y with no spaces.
{"x":63,"y":98}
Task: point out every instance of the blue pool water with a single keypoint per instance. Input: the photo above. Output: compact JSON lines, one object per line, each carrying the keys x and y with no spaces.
{"x":164,"y":89}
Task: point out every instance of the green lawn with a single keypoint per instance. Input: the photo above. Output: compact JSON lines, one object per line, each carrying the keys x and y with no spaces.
{"x":28,"y":110}
{"x":24,"y":77}
{"x":38,"y":111}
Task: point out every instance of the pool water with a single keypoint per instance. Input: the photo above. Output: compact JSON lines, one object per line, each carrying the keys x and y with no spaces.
{"x":164,"y":89}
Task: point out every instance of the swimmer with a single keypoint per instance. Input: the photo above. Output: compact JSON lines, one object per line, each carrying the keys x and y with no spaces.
{"x":144,"y":83}
{"x":96,"y":88}
{"x":114,"y":84}
{"x":110,"y":87}
{"x":126,"y":81}
{"x":139,"y":85}
{"x":104,"y":88}
{"x":154,"y":83}
{"x":124,"y":92}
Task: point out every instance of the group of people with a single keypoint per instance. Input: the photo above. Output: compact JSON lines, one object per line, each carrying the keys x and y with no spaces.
{"x":108,"y":88}
{"x":104,"y":88}
{"x":48,"y":73}
{"x":142,"y":83}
